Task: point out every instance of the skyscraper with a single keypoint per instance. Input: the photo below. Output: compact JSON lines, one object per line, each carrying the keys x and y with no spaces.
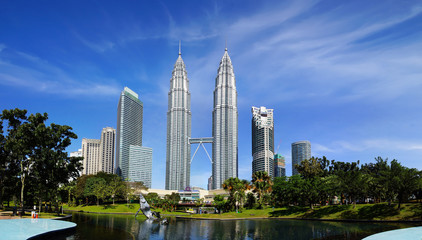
{"x":279,"y":166}
{"x":129,"y":129}
{"x":224,"y":124}
{"x":91,"y":155}
{"x":108,"y":138}
{"x":178,"y":129}
{"x":140,"y":164}
{"x":300,"y":151}
{"x":263,"y":140}
{"x":209,"y":186}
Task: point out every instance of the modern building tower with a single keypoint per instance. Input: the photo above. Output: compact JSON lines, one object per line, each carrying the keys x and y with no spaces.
{"x":129,"y":129}
{"x":108,"y":138}
{"x":178,"y":129}
{"x":279,"y":166}
{"x":209,"y":186}
{"x":300,"y":151}
{"x":224,"y":124}
{"x":91,"y":155}
{"x":140,"y":164}
{"x":263,"y":140}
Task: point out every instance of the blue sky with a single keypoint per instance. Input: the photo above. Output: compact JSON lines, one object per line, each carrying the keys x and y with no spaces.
{"x":345,"y":75}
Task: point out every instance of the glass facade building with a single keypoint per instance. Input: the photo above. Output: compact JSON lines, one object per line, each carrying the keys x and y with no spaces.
{"x":129,"y":129}
{"x":263,"y":140}
{"x":279,"y":166}
{"x":178,"y":129}
{"x":300,"y":151}
{"x":140,"y":164}
{"x":224,"y":124}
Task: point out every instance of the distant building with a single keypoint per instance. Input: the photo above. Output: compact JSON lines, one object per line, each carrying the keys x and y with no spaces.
{"x":108,"y":139}
{"x":140,"y":164}
{"x":300,"y":151}
{"x":263,"y":140}
{"x":279,"y":166}
{"x":91,"y":155}
{"x":209,"y":183}
{"x":129,"y":129}
{"x":76,"y":153}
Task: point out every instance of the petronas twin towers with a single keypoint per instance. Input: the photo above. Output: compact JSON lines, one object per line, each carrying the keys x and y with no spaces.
{"x":224,"y":127}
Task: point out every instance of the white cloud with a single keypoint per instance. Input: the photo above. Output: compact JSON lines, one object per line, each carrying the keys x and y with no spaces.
{"x":369,"y":144}
{"x":100,"y":46}
{"x":40,"y":75}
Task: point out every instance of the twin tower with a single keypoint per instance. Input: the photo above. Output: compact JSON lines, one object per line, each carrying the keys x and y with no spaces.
{"x":224,"y":127}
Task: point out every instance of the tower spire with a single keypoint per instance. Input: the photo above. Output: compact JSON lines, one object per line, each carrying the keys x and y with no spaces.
{"x":225,"y":49}
{"x":180,"y":47}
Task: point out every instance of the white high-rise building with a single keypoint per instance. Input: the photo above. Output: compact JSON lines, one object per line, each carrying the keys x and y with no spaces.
{"x":91,"y":155}
{"x":263,"y":140}
{"x":129,"y":129}
{"x":224,"y":124}
{"x":178,"y":129}
{"x":108,"y":138}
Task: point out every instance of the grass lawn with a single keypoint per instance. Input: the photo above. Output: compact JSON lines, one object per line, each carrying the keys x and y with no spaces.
{"x":409,"y":211}
{"x":117,"y":208}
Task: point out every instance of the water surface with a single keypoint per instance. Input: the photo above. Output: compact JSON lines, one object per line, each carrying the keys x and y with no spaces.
{"x":108,"y":226}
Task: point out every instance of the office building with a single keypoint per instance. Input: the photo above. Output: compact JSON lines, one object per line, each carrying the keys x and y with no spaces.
{"x":108,"y":138}
{"x":263,"y":140}
{"x":300,"y":151}
{"x":279,"y":166}
{"x":140,"y":164}
{"x":209,"y":187}
{"x":224,"y":124}
{"x":178,"y":129}
{"x":91,"y":155}
{"x":129,"y":129}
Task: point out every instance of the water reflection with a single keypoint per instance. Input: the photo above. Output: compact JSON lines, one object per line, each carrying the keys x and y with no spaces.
{"x":92,"y":226}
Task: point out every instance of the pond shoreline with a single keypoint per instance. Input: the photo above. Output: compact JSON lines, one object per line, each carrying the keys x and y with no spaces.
{"x":252,"y":218}
{"x":307,"y":219}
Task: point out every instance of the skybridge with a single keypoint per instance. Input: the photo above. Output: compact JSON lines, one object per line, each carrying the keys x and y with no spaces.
{"x":200,"y":142}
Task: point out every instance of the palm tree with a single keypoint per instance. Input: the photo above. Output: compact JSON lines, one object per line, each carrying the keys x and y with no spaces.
{"x":261,"y":184}
{"x":236,"y":188}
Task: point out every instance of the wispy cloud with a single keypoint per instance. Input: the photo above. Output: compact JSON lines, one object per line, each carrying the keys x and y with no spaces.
{"x":99,"y":46}
{"x":40,"y":75}
{"x":367,"y":144}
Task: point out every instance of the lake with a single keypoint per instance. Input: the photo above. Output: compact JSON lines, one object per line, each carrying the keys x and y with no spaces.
{"x":110,"y":226}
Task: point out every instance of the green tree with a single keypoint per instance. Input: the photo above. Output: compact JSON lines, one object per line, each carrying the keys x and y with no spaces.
{"x":236,"y":189}
{"x":261,"y":184}
{"x":250,"y":200}
{"x":39,"y":152}
{"x":153,"y":199}
{"x":314,"y":172}
{"x":404,"y":181}
{"x":219,"y":202}
{"x":96,"y":186}
{"x":353,"y":181}
{"x":379,"y":179}
{"x":172,"y":200}
{"x":116,"y":186}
